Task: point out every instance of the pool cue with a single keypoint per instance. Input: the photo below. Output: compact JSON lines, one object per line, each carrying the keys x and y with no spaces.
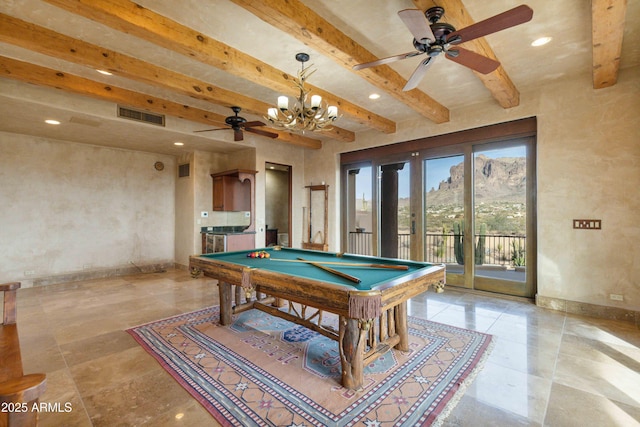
{"x":345,"y":264}
{"x":331,"y":270}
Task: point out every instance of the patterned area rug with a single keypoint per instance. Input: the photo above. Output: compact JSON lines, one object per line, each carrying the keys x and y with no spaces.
{"x":265,"y":371}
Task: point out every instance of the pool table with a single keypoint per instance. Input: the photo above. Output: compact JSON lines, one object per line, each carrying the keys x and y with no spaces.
{"x":368,"y":294}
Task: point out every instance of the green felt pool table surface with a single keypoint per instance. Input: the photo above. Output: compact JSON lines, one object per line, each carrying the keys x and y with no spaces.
{"x":280,"y":261}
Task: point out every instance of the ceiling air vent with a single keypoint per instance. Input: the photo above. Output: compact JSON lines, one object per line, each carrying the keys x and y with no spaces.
{"x":183,"y":170}
{"x":140,"y":116}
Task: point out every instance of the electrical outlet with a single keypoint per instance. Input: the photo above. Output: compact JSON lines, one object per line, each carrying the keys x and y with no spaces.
{"x":29,"y":272}
{"x":616,"y":297}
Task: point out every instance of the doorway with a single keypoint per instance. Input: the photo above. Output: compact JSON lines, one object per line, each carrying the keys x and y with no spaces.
{"x":277,"y":204}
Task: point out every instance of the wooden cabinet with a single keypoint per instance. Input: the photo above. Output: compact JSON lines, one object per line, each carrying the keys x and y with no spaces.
{"x":233,"y":190}
{"x":229,"y":194}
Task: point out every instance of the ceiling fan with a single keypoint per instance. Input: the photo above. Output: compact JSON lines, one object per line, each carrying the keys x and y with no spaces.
{"x":239,"y":124}
{"x":433,"y":38}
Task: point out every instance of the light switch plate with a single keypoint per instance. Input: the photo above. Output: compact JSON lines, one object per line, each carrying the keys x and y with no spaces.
{"x":587,"y":224}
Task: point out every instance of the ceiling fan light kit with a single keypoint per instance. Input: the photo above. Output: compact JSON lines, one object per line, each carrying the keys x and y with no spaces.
{"x":299,"y":115}
{"x":433,"y":38}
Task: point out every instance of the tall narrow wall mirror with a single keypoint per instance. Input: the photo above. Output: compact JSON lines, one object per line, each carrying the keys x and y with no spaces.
{"x":317,"y":225}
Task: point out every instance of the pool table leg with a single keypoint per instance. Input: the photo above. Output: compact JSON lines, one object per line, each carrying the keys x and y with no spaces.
{"x":352,"y":339}
{"x":224,"y":290}
{"x":402,"y":327}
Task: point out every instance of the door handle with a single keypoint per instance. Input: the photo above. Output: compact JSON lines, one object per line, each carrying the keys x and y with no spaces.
{"x":413,"y":227}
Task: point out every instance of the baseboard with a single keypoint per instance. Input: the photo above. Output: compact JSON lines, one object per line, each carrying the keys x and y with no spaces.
{"x":589,"y":310}
{"x":97,"y":274}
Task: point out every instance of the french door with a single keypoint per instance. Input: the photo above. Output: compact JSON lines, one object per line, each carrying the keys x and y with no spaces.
{"x":469,"y":206}
{"x":479,"y":215}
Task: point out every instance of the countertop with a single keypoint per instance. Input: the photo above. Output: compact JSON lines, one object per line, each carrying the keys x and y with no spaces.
{"x":227,"y":229}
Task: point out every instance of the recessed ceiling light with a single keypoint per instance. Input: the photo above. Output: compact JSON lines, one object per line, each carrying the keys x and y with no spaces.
{"x":178,"y":143}
{"x":106,"y":73}
{"x":374,"y":96}
{"x":52,"y":122}
{"x":541,"y":41}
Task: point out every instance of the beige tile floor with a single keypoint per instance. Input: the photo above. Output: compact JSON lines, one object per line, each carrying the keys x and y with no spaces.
{"x":547,"y":368}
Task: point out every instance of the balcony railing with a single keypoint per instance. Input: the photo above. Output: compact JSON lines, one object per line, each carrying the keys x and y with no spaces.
{"x":503,"y":250}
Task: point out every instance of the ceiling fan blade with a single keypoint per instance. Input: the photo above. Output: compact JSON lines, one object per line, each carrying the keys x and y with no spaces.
{"x":510,"y":18}
{"x":417,"y":23}
{"x":253,"y":124}
{"x":387,"y":60}
{"x":418,"y":74}
{"x":262,"y":132}
{"x":209,"y":130}
{"x":237,"y":135}
{"x":473,"y":60}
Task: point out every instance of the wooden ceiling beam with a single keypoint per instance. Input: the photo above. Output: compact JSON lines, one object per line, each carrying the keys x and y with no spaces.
{"x":296,"y":19}
{"x":48,"y":42}
{"x":134,"y":19}
{"x":42,"y":76}
{"x":497,"y":82}
{"x":607,"y":30}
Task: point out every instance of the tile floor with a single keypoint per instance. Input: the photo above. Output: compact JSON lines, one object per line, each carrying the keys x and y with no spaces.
{"x":547,"y":368}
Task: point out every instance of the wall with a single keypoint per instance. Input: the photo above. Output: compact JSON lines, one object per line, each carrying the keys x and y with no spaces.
{"x":588,"y":167}
{"x":185,"y":211}
{"x":72,"y":209}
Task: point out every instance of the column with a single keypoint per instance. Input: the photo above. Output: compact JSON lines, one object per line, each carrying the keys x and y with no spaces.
{"x":389,"y":210}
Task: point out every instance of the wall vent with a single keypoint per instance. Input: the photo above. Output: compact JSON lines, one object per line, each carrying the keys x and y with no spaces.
{"x":140,"y":116}
{"x":183,"y":170}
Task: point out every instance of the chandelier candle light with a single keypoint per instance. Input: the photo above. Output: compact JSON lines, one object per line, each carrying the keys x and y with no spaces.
{"x":299,"y":116}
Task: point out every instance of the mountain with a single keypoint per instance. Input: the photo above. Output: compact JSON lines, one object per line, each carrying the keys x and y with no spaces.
{"x":496,"y":180}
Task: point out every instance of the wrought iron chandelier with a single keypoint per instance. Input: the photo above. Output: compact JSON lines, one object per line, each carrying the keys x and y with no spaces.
{"x":300,"y":116}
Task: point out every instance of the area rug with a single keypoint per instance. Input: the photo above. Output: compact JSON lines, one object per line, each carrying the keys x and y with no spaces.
{"x":265,"y":371}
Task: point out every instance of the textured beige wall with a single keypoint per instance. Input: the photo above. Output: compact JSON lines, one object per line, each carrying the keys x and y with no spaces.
{"x":185,"y":211}
{"x":588,"y":167}
{"x":70,"y":207}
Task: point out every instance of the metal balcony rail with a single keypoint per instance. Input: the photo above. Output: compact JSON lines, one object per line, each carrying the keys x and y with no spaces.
{"x":500,"y":249}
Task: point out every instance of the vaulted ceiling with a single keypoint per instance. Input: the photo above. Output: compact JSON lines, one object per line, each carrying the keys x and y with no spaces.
{"x":192,"y":60}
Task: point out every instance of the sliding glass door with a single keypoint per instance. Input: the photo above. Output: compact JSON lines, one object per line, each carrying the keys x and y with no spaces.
{"x":503,"y":214}
{"x":478,"y":215}
{"x":468,"y":205}
{"x":358,"y":201}
{"x":444,"y":214}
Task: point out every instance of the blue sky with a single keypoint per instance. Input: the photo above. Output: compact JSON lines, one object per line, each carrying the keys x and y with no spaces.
{"x":437,"y":171}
